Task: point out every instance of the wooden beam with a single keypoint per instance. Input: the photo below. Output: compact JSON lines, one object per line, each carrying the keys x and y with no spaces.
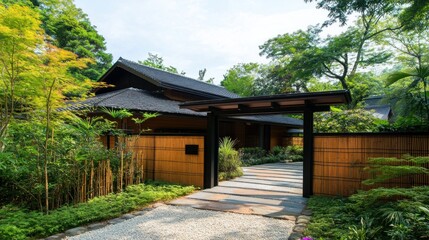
{"x":307,"y":189}
{"x":266,"y":111}
{"x":211,"y":159}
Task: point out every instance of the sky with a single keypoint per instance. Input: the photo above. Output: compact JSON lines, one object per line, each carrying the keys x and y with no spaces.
{"x":196,"y":34}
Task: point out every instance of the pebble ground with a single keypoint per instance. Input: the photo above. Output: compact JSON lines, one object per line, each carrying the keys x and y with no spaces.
{"x":179,"y":222}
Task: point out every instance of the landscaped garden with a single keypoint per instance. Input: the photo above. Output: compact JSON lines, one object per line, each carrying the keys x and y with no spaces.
{"x":380,"y":213}
{"x":17,"y":222}
{"x":56,"y":174}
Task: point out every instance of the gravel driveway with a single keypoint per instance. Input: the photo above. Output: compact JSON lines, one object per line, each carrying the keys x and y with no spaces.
{"x":181,"y":222}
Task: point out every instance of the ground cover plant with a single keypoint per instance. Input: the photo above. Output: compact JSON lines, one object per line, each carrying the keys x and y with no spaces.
{"x":380,"y":213}
{"x":20,"y":223}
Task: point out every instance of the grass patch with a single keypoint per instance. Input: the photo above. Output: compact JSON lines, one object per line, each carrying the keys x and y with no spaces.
{"x":19,"y":223}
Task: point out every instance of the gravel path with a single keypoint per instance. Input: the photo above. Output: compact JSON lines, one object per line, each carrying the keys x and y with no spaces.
{"x":178,"y":222}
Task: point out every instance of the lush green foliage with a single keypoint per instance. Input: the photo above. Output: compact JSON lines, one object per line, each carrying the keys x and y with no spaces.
{"x":393,"y":213}
{"x":256,"y":155}
{"x":72,"y":146}
{"x":240,"y":78}
{"x":338,"y":121}
{"x":384,"y":169}
{"x":229,"y":160}
{"x":294,"y":153}
{"x":69,"y":28}
{"x":156,"y":61}
{"x":20,"y":223}
{"x":375,"y":214}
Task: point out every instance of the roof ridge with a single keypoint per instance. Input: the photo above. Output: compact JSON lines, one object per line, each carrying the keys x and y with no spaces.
{"x":177,"y":74}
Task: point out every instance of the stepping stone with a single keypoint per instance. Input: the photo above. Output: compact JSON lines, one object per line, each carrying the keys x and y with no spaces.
{"x":97,"y":225}
{"x":76,"y":231}
{"x":260,"y":187}
{"x":142,"y":212}
{"x":295,"y":236}
{"x":226,"y":198}
{"x":302,"y":221}
{"x":116,"y":220}
{"x":56,"y":236}
{"x":275,"y":179}
{"x":258,"y":194}
{"x":269,"y":183}
{"x":255,"y":209}
{"x":127,"y":216}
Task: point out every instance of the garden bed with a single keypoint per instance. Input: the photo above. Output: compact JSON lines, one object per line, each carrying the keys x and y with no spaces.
{"x":20,"y":223}
{"x":397,"y":213}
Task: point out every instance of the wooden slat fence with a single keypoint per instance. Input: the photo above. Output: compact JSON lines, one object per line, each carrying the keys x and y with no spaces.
{"x":163,"y":158}
{"x":293,"y":141}
{"x":339,"y":160}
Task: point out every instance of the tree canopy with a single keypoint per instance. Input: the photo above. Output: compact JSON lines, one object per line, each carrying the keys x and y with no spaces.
{"x":69,"y":28}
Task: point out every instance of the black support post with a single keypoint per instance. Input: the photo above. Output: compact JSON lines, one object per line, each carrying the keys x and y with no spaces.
{"x":267,"y":137}
{"x":264,"y":136}
{"x":211,"y":160}
{"x":307,"y":190}
{"x":261,"y":136}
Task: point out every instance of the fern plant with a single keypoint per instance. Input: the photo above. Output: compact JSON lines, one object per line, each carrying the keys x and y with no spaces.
{"x":385,"y":169}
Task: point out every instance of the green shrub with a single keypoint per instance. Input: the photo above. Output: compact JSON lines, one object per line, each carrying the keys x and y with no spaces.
{"x":294,"y":153}
{"x":20,"y":223}
{"x":229,"y":160}
{"x":384,"y":169}
{"x":380,"y":213}
{"x":252,"y":156}
{"x":257,"y":155}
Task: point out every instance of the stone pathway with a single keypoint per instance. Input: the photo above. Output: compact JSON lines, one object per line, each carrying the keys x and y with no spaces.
{"x":270,"y":190}
{"x":182,"y":222}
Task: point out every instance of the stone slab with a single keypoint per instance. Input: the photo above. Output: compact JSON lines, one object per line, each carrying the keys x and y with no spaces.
{"x":97,"y":225}
{"x":258,"y":194}
{"x":256,"y":209}
{"x":127,"y":216}
{"x":116,"y":220}
{"x":274,"y":179}
{"x":76,"y":231}
{"x":284,"y":183}
{"x":56,"y":236}
{"x":260,"y":187}
{"x":234,"y":199}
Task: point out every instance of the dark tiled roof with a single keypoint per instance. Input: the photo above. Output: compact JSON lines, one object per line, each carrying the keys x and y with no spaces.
{"x":381,"y":112}
{"x":177,"y":81}
{"x":136,"y":99}
{"x":373,"y":100}
{"x":142,"y":100}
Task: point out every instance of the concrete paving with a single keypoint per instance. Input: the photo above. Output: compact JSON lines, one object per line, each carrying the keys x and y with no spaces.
{"x":271,"y":190}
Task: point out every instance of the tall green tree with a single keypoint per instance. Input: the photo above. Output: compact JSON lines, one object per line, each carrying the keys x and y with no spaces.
{"x":202,"y":75}
{"x":413,"y":56}
{"x":411,"y":13}
{"x":155,"y":61}
{"x":70,"y":29}
{"x":20,"y":37}
{"x":240,"y":78}
{"x":53,"y":82}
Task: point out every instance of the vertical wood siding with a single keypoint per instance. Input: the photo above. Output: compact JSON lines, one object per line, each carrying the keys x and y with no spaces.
{"x":339,"y":160}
